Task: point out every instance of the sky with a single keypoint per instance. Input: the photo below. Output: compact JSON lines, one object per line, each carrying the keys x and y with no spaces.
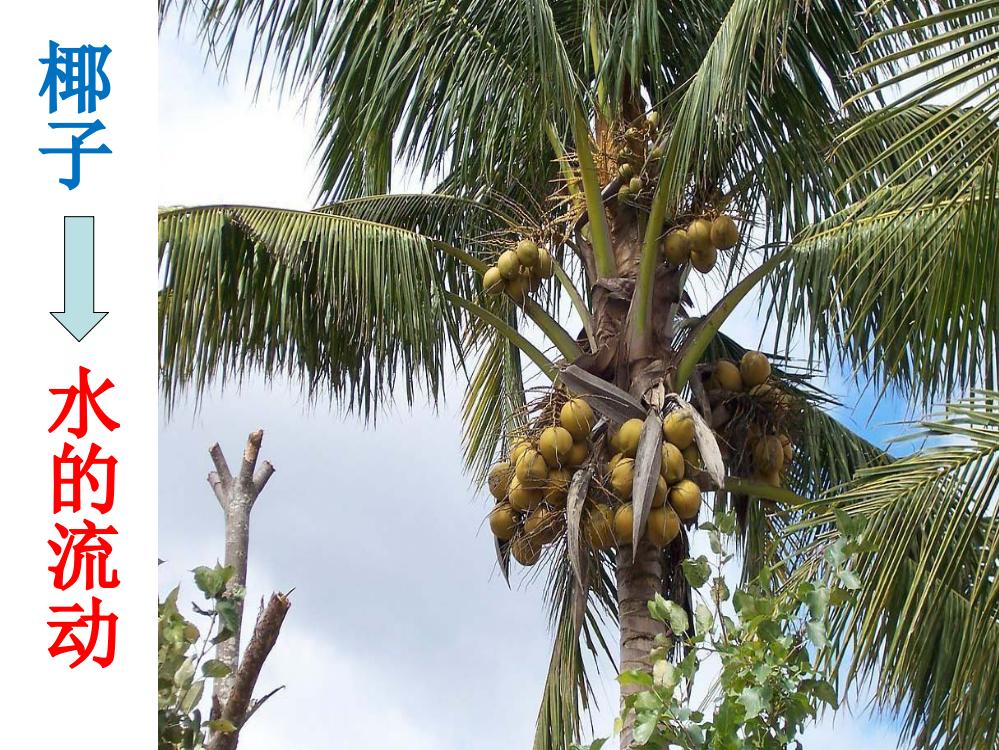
{"x":402,"y":633}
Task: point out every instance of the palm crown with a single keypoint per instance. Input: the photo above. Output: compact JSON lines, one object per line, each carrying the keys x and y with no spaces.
{"x":867,"y":216}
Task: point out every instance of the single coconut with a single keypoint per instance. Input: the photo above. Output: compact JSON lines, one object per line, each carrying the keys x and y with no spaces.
{"x":555,"y":444}
{"x":624,"y":194}
{"x":517,"y":288}
{"x":788,"y":447}
{"x":768,"y":454}
{"x":499,"y":479}
{"x":763,"y":390}
{"x":727,"y":376}
{"x":615,"y":459}
{"x":655,"y":153}
{"x":546,"y":266}
{"x":577,"y":417}
{"x":625,"y":172}
{"x":699,"y":234}
{"x":662,"y":526}
{"x":532,"y":471}
{"x":653,"y":119}
{"x":662,"y":490}
{"x":492,"y":281}
{"x":557,"y":487}
{"x":678,"y":428}
{"x":724,"y":232}
{"x":685,"y":498}
{"x":544,"y":525}
{"x":704,"y":260}
{"x":755,"y":369}
{"x":629,"y":435}
{"x":517,"y":450}
{"x":525,"y":550}
{"x":769,"y":477}
{"x":671,"y":468}
{"x":624,"y":519}
{"x":623,"y":477}
{"x":693,"y":465}
{"x":523,"y":499}
{"x":632,"y":134}
{"x":600,"y":526}
{"x":578,"y":453}
{"x":508,"y":265}
{"x":635,"y":185}
{"x":503,"y":521}
{"x":527,"y":253}
{"x":676,"y":247}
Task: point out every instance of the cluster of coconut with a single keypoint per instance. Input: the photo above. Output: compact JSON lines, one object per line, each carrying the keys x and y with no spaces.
{"x":700,"y":242}
{"x":519,"y":272}
{"x":635,"y":156}
{"x":532,"y":487}
{"x":769,"y":449}
{"x":677,"y":496}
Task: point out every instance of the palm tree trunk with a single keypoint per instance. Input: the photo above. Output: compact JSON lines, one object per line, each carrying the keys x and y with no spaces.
{"x":639,"y":578}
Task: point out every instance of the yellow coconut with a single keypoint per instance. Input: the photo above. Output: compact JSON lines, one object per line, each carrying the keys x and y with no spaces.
{"x":546,"y":266}
{"x":788,"y":447}
{"x":578,"y":454}
{"x":503,"y":521}
{"x":517,"y":288}
{"x":544,"y":525}
{"x":613,"y":462}
{"x":693,"y":465}
{"x":555,"y":444}
{"x":768,"y":454}
{"x":662,"y":526}
{"x":676,"y":247}
{"x":492,"y":281}
{"x":577,"y":417}
{"x":532,"y":470}
{"x":653,"y":118}
{"x":629,"y":435}
{"x":599,"y":526}
{"x":685,"y":498}
{"x":557,"y":487}
{"x":724,"y":232}
{"x":704,"y":260}
{"x":623,"y":477}
{"x":635,"y":185}
{"x":525,"y":550}
{"x":755,"y":369}
{"x":662,"y":490}
{"x":508,"y":265}
{"x":517,"y":450}
{"x":623,"y":519}
{"x":523,"y":499}
{"x":769,"y":477}
{"x":699,"y":234}
{"x":671,"y":468}
{"x":499,"y":479}
{"x":625,"y":172}
{"x":527,"y":253}
{"x":727,"y":376}
{"x":678,"y":428}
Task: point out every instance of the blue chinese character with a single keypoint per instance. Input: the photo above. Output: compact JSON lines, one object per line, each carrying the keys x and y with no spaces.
{"x":75,"y":150}
{"x":80,"y":70}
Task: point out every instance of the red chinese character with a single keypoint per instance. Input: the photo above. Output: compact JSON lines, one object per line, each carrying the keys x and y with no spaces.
{"x":80,"y":469}
{"x":86,"y":396}
{"x":90,"y":541}
{"x":93,"y":621}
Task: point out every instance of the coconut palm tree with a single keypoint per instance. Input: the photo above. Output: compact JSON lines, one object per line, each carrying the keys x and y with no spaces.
{"x":593,"y":130}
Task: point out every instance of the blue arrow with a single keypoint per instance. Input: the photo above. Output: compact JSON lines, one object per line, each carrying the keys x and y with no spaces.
{"x":78,"y":316}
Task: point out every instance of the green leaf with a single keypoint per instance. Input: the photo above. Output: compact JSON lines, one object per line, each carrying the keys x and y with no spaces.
{"x":665,"y":675}
{"x":822,"y":690}
{"x":645,"y":725}
{"x":816,"y":631}
{"x":697,"y":571}
{"x":849,"y":579}
{"x":703,"y":619}
{"x":752,"y":698}
{"x":635,"y":677}
{"x":214,"y":668}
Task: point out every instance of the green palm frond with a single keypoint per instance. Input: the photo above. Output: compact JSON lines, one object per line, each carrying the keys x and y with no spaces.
{"x":907,"y":296}
{"x":924,"y":625}
{"x":494,"y":401}
{"x":350,"y":306}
